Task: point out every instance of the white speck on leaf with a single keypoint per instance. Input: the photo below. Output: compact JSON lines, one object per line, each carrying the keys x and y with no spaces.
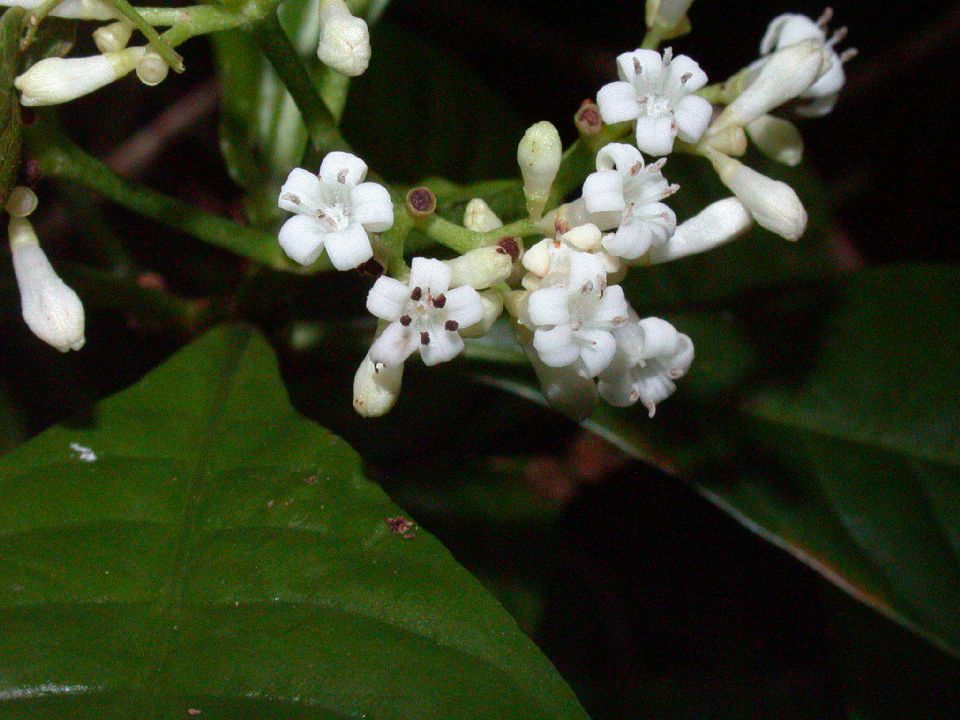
{"x":84,"y":454}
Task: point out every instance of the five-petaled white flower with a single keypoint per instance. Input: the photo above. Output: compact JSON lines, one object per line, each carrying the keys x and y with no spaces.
{"x":335,"y":209}
{"x":650,"y":357}
{"x":575,"y":320}
{"x":626,"y":195}
{"x":790,"y":29}
{"x":425,"y":313}
{"x":657,"y":92}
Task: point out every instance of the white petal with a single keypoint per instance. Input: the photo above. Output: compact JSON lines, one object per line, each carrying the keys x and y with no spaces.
{"x":655,"y":135}
{"x":537,"y":258}
{"x":830,"y":82}
{"x":612,"y":307}
{"x":301,"y":238}
{"x":603,"y":192}
{"x":301,"y":193}
{"x":349,"y":248}
{"x":617,"y":102}
{"x":682,"y":357}
{"x":463,"y":306}
{"x":561,"y":357}
{"x":372,"y":206}
{"x":630,"y":241}
{"x":584,"y":237}
{"x":586,"y":273}
{"x":651,"y":66}
{"x":556,"y":347}
{"x":548,"y":306}
{"x":654,"y":389}
{"x":388,"y":298}
{"x":443,"y":346}
{"x":659,"y":337}
{"x":692,"y":115}
{"x":789,"y":29}
{"x":342,"y":167}
{"x":430,"y":275}
{"x":597,"y":348}
{"x":681,"y":66}
{"x":626,"y":159}
{"x":395,"y":345}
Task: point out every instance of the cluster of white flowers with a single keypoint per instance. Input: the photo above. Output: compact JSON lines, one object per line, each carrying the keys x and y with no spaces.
{"x":569,"y":312}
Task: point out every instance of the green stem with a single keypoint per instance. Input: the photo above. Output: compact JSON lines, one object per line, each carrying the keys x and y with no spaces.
{"x":652,"y":40}
{"x":393,"y":241}
{"x":202,"y":19}
{"x":460,"y":240}
{"x":320,"y":123}
{"x":160,"y":45}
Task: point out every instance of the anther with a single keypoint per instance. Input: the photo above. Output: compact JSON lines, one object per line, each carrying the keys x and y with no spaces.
{"x":451,"y":325}
{"x":440,"y":300}
{"x":416,"y":294}
{"x":424,"y":338}
{"x":342,"y":176}
{"x":405,"y":320}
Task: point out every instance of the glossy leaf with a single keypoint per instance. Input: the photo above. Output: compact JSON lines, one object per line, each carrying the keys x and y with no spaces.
{"x":221,"y":556}
{"x":826,"y":419}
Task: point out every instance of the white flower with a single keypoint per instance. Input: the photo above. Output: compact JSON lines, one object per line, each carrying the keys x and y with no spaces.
{"x":376,"y":388}
{"x":51,"y":309}
{"x":628,"y":198}
{"x":645,"y":367}
{"x":657,"y":92}
{"x":72,"y":9}
{"x":424,"y":314}
{"x":575,"y":320}
{"x":335,"y":209}
{"x":344,"y":39}
{"x":790,"y":29}
{"x":58,"y":80}
{"x":547,"y":262}
{"x":538,"y":155}
{"x":715,"y":225}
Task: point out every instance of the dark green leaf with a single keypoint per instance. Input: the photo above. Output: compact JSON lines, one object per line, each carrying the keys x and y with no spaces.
{"x":828,"y":421}
{"x":224,"y":555}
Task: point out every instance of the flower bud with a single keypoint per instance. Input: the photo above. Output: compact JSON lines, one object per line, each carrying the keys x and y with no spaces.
{"x":52,"y":311}
{"x":784,"y":76}
{"x":344,"y":39}
{"x":113,"y":37}
{"x":376,"y":388}
{"x":480,"y":268}
{"x":71,"y":9}
{"x":22,"y":202}
{"x":492,"y":309}
{"x":58,"y":80}
{"x":715,"y":225}
{"x":152,"y":69}
{"x":732,"y":141}
{"x":666,"y":13}
{"x":778,"y":139}
{"x":539,"y":156}
{"x":478,"y":217}
{"x":773,"y":204}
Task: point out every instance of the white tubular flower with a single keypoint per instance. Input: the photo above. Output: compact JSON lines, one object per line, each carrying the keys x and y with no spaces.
{"x":715,"y":225}
{"x":51,"y":309}
{"x":538,"y":155}
{"x":790,"y":29}
{"x":22,"y":202}
{"x":624,"y":194}
{"x":113,"y":37}
{"x":667,"y":13}
{"x":425,"y":313}
{"x":778,"y":139}
{"x":335,"y":209}
{"x":646,"y":372}
{"x":784,"y":76}
{"x":480,"y":268}
{"x":657,"y":92}
{"x":478,"y":217}
{"x":376,"y":388}
{"x":57,"y":80}
{"x":569,"y":389}
{"x":773,"y":204}
{"x":575,"y":320}
{"x":344,"y":39}
{"x":71,"y":9}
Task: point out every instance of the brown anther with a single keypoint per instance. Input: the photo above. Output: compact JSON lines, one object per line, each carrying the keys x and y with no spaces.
{"x":342,"y":176}
{"x":685,"y":78}
{"x":424,"y":338}
{"x":451,"y":325}
{"x":587,"y":287}
{"x":440,"y":300}
{"x":416,"y":294}
{"x":371,"y":268}
{"x":509,"y":246}
{"x":291,"y":198}
{"x":587,"y":119}
{"x":421,"y":201}
{"x":405,"y":320}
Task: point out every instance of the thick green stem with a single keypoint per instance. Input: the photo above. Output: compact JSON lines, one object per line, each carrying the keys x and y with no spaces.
{"x":460,"y":240}
{"x":201,"y":19}
{"x":320,"y":123}
{"x":652,"y":40}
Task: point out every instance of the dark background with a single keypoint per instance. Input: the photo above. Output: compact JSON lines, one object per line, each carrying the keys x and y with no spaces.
{"x":651,"y":602}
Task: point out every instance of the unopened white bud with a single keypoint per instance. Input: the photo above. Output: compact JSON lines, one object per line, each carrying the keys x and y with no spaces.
{"x":773,"y":204}
{"x":715,"y":225}
{"x":492,"y":309}
{"x":113,"y":37}
{"x":22,"y":202}
{"x":785,"y":75}
{"x":539,"y":155}
{"x":778,"y":139}
{"x":72,"y":9}
{"x":57,"y":80}
{"x":152,"y":69}
{"x":732,"y":141}
{"x":376,"y":388}
{"x":344,"y":39}
{"x":52,"y":310}
{"x":666,"y":13}
{"x":478,"y":217}
{"x":480,"y":268}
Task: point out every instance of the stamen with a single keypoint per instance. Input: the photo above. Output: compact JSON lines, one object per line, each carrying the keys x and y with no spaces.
{"x":668,"y":56}
{"x":848,"y":55}
{"x":342,"y":176}
{"x":685,"y":78}
{"x":290,"y":197}
{"x":587,"y":287}
{"x":657,"y":166}
{"x":838,"y":37}
{"x":405,"y":320}
{"x":451,"y":325}
{"x":416,"y":294}
{"x":424,"y":338}
{"x":636,"y":167}
{"x":825,"y":18}
{"x":440,"y":300}
{"x":637,"y":67}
